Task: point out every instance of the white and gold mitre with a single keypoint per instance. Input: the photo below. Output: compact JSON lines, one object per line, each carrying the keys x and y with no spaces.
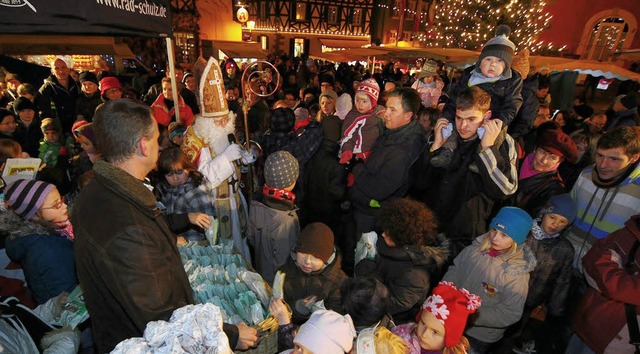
{"x":213,"y":103}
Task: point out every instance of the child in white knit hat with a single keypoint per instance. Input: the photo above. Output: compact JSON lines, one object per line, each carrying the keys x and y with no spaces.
{"x":326,"y":332}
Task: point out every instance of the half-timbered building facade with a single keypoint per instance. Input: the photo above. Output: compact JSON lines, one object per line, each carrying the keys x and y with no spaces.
{"x":308,"y":26}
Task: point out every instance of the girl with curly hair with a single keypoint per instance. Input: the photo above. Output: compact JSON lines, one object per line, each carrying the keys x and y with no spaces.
{"x":410,"y":256}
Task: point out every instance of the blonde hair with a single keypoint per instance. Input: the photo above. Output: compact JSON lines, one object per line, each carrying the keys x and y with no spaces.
{"x":389,"y":343}
{"x":486,"y":245}
{"x":384,"y":342}
{"x":319,"y":114}
{"x":460,"y":348}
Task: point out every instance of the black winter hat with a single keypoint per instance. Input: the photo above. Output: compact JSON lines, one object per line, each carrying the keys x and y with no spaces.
{"x":88,"y":76}
{"x":22,"y":103}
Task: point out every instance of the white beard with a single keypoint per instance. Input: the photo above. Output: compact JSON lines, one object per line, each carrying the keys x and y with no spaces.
{"x":214,"y":136}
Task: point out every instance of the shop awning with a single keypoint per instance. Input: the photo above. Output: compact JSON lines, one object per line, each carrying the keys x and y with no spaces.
{"x":344,"y":43}
{"x":235,"y":49}
{"x":61,"y":45}
{"x":596,"y":68}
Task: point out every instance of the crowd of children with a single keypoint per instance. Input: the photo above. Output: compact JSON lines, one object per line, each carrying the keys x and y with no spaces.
{"x":477,"y":264}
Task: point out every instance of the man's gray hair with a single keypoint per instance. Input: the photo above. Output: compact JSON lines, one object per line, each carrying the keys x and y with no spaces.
{"x":119,"y":125}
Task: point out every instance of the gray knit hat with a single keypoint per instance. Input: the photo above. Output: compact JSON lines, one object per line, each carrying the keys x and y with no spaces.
{"x":281,"y":170}
{"x":499,"y":46}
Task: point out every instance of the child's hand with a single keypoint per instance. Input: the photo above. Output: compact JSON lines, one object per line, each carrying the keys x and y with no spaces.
{"x":200,"y":219}
{"x":346,"y":157}
{"x":492,"y":128}
{"x":279,"y":310}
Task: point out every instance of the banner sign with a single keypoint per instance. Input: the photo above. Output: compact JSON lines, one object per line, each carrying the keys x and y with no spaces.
{"x":146,"y":18}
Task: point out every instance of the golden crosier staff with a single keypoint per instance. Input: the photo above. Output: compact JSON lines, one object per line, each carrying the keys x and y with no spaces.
{"x":253,"y":79}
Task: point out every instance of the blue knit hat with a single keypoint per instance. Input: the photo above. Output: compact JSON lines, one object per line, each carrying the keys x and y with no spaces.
{"x":561,"y":204}
{"x":514,"y":222}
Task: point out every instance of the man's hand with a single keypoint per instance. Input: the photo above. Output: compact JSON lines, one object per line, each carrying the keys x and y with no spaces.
{"x":492,"y":128}
{"x":247,"y":337}
{"x":438,"y":138}
{"x":200,"y":219}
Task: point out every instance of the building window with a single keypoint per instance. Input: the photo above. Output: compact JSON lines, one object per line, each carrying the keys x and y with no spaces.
{"x":406,"y":36}
{"x":393,"y":34}
{"x":301,"y":11}
{"x":412,"y":6}
{"x":396,"y":9}
{"x":356,"y":19}
{"x":263,"y":10}
{"x":185,"y":47}
{"x":332,"y":15}
{"x":298,"y":47}
{"x":264,"y":42}
{"x":607,"y":37}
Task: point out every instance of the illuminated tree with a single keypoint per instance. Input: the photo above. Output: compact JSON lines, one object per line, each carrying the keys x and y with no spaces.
{"x":471,"y":23}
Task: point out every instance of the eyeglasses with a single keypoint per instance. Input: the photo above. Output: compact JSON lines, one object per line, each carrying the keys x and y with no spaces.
{"x":56,"y":206}
{"x":553,"y":158}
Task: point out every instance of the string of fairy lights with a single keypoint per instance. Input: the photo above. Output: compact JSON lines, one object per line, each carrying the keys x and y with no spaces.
{"x":464,"y":24}
{"x":470,"y":23}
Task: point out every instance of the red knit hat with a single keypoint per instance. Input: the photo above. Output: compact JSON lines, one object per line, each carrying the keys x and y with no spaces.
{"x":558,"y":143}
{"x":370,"y":88}
{"x":109,"y":83}
{"x":451,"y":307}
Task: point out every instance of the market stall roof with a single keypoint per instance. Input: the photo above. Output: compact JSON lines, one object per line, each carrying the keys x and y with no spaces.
{"x":444,"y":54}
{"x":150,"y":18}
{"x":61,"y":45}
{"x":234,"y":49}
{"x":540,"y":61}
{"x":628,"y":54}
{"x":596,"y":68}
{"x":344,"y":43}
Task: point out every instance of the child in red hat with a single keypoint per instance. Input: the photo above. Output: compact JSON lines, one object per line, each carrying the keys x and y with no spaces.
{"x":441,"y":321}
{"x":362,"y":126}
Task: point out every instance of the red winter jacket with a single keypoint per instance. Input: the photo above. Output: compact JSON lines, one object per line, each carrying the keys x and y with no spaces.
{"x":164,"y":116}
{"x":600,"y":319}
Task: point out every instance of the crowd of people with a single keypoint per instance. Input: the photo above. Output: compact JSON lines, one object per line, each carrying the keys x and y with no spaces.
{"x":425,"y":213}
